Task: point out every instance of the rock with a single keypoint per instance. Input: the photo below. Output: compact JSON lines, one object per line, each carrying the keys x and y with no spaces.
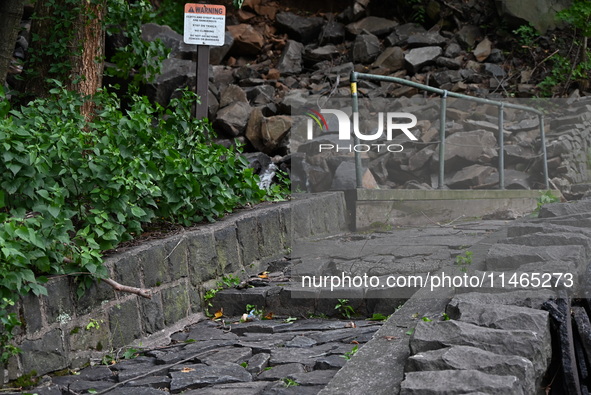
{"x":501,"y":317}
{"x":471,"y":176}
{"x":468,"y":35}
{"x":391,"y":58}
{"x":319,"y":377}
{"x":446,"y":78}
{"x":453,"y":64}
{"x":291,"y":58}
{"x":247,"y":41}
{"x":233,"y":118}
{"x":510,"y":256}
{"x":258,"y":362}
{"x":260,"y":94}
{"x":483,"y":50}
{"x":495,"y":70}
{"x":202,"y":375}
{"x":299,"y":28}
{"x":345,"y":179}
{"x":514,"y":179}
{"x":366,"y":48}
{"x":45,"y":354}
{"x":524,"y":343}
{"x":420,"y":159}
{"x":540,"y":13}
{"x":465,"y":148}
{"x":428,"y":39}
{"x":175,"y":73}
{"x":301,"y":342}
{"x":496,"y":56}
{"x":231,"y":94}
{"x":400,"y":35}
{"x":525,"y":298}
{"x":333,"y":32}
{"x":267,"y":134}
{"x":327,"y":52}
{"x":280,"y":372}
{"x":330,"y":362}
{"x":552,"y":239}
{"x":560,"y":209}
{"x":372,"y":25}
{"x":471,"y":358}
{"x":458,"y":382}
{"x":419,"y":57}
{"x":452,"y":50}
{"x":170,"y":38}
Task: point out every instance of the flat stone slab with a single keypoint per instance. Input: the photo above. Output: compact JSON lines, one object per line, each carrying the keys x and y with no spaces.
{"x":471,"y":358}
{"x":458,"y":382}
{"x":524,"y":343}
{"x":510,"y":256}
{"x":202,"y":376}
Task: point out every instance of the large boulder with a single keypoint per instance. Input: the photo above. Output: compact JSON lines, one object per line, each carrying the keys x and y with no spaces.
{"x":372,"y":25}
{"x":299,"y":28}
{"x":291,"y":58}
{"x":268,"y":134}
{"x":247,"y":41}
{"x":540,"y":13}
{"x":365,"y":48}
{"x":466,"y":148}
{"x":233,"y":118}
{"x":417,"y":58}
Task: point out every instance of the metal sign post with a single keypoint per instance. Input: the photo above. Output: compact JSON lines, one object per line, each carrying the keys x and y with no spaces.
{"x":204,"y":26}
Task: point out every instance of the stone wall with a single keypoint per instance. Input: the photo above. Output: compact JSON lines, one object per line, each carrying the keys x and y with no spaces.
{"x":569,"y":143}
{"x":178,"y":269}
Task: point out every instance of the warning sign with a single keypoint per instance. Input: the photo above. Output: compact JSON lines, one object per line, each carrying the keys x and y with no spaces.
{"x":205,"y":24}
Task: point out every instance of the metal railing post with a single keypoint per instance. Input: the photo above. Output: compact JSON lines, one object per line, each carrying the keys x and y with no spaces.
{"x":355,"y":108}
{"x":501,"y":148}
{"x":544,"y":151}
{"x":443,"y":93}
{"x":443,"y":110}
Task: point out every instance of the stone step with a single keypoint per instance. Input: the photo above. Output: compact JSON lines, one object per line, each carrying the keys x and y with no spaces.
{"x":459,"y":382}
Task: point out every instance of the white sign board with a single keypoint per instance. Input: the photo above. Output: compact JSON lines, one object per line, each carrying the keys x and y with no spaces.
{"x":205,"y":24}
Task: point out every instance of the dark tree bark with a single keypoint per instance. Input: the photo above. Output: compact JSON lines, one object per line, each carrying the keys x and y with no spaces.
{"x":83,"y":47}
{"x":11,"y":12}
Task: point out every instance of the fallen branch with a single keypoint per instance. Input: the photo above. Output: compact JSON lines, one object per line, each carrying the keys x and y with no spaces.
{"x":144,"y":293}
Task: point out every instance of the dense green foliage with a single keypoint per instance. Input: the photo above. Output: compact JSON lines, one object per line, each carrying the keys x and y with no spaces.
{"x":72,"y":188}
{"x":139,"y":61}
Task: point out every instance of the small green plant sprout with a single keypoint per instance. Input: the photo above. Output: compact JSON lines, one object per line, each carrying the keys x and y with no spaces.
{"x":426,"y":319}
{"x":445,"y":317}
{"x":463,"y":261}
{"x":410,"y":332}
{"x":131,"y":353}
{"x":244,"y":365}
{"x":377,"y":317}
{"x":289,"y":320}
{"x":94,"y":324}
{"x":290,"y":383}
{"x":344,"y":308}
{"x":228,"y":281}
{"x":545,"y":198}
{"x":349,"y":354}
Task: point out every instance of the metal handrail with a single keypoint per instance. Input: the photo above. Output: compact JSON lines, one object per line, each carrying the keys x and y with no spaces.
{"x":444,"y":95}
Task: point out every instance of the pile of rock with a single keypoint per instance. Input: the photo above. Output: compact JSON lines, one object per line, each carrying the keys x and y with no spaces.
{"x":275,"y":61}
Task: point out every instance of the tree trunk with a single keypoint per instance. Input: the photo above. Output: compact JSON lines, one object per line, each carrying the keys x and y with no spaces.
{"x":88,"y":66}
{"x":11,"y":12}
{"x":80,"y":38}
